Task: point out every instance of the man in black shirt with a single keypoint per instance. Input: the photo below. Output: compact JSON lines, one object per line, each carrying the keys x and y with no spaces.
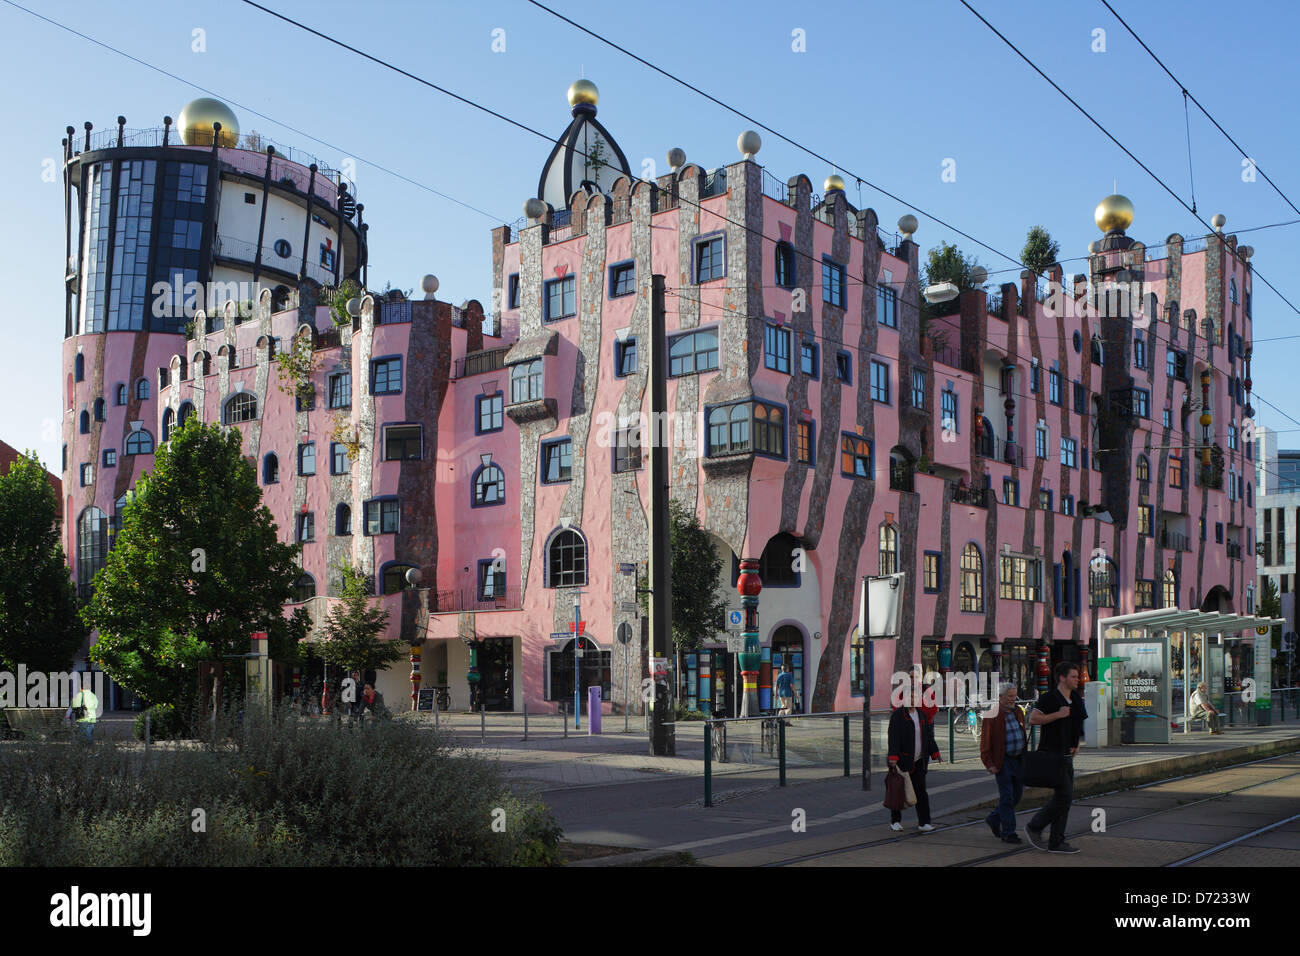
{"x":1060,"y":715}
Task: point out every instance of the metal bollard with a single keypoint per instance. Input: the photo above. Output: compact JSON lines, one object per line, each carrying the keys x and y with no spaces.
{"x":565,"y":721}
{"x":525,"y":721}
{"x":708,"y":764}
{"x":780,"y":736}
{"x":952,"y":737}
{"x":482,"y":724}
{"x":846,"y":745}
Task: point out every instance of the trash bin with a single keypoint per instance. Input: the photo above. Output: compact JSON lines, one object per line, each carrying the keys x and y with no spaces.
{"x":1128,"y":728}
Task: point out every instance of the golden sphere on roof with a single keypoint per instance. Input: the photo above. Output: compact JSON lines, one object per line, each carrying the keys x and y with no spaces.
{"x":583,"y":91}
{"x":833,"y":181}
{"x":1114,"y":212}
{"x":196,"y":121}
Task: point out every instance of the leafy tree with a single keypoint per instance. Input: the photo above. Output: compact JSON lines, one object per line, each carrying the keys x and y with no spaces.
{"x":353,"y":626}
{"x":696,"y":567}
{"x":196,"y":568}
{"x":947,"y":264}
{"x":1041,"y":251}
{"x":1270,"y":605}
{"x":39,"y":625}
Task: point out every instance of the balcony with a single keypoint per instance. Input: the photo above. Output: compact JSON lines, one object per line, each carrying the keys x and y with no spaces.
{"x":476,"y":363}
{"x":998,"y":449}
{"x":952,"y":357}
{"x":1174,"y":540}
{"x":455,"y":601}
{"x":900,"y":475}
{"x":962,"y":495}
{"x":1234,"y":550}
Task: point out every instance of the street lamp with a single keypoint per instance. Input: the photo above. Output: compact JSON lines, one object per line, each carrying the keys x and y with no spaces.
{"x":941,"y":292}
{"x":577,"y":659}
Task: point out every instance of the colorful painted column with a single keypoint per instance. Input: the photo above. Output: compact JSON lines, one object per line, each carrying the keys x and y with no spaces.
{"x":1044,"y":669}
{"x":416,"y":652}
{"x":749,"y":587}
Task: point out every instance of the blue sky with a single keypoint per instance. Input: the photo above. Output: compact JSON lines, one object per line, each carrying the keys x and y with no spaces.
{"x":888,"y":91}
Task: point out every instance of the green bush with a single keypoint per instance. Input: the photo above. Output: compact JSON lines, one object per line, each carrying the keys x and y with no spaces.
{"x":684,"y":714}
{"x":164,"y":723}
{"x":278,"y":790}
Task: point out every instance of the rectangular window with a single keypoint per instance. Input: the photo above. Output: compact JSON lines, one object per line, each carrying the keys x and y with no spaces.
{"x":338,"y":389}
{"x":1232,"y":437}
{"x":1068,"y":449}
{"x":803,"y":442}
{"x":809,"y":359}
{"x":1139,"y":351}
{"x":919,"y":389}
{"x":307,"y":458}
{"x":1045,"y":499}
{"x":1146,"y":520}
{"x":491,"y":579}
{"x":1145,"y":598}
{"x":1040,"y":441}
{"x":1021,"y":578}
{"x":338,"y":459}
{"x":382,"y":516}
{"x":1034,"y":378}
{"x":627,"y":449}
{"x":557,"y":461}
{"x":87,"y":475}
{"x":512,"y":291}
{"x":489,"y":411}
{"x":1054,"y":387}
{"x":110,"y":457}
{"x":930,"y":572}
{"x":832,"y":282}
{"x":948,"y":417}
{"x":693,"y":352}
{"x":306,"y":526}
{"x":625,"y":357}
{"x":1167,"y":418}
{"x":886,"y":306}
{"x":709,"y":263}
{"x":855,"y":457}
{"x":880,"y":381}
{"x":622,"y":279}
{"x":1141,"y":403}
{"x":1176,"y":477}
{"x":1080,"y":399}
{"x":1010,"y":492}
{"x":844,"y":367}
{"x":731,"y":428}
{"x":403,"y":442}
{"x":776,"y":348}
{"x":526,"y":382}
{"x":386,"y":376}
{"x":1067,"y":504}
{"x":561,"y":298}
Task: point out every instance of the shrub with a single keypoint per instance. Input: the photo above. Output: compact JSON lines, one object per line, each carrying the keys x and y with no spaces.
{"x":164,"y":723}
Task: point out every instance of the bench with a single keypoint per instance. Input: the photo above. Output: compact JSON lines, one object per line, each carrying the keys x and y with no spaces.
{"x":41,"y":722}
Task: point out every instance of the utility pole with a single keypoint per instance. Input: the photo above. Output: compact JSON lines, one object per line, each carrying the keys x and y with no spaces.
{"x":662,"y":739}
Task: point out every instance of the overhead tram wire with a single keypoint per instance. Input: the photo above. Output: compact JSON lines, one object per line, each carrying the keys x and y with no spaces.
{"x":248,"y":109}
{"x":1187,"y":94}
{"x":536,"y":132}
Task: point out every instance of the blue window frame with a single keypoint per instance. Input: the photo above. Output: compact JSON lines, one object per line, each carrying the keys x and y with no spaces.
{"x":343,"y":520}
{"x":383,"y":516}
{"x":879,"y":381}
{"x":386,"y":376}
{"x":1054,"y":387}
{"x":110,"y":457}
{"x":1069,"y":448}
{"x":1139,"y":351}
{"x":1141,"y":403}
{"x":805,"y":442}
{"x":844,"y":367}
{"x":489,"y":413}
{"x":488,"y":484}
{"x":856,"y":456}
{"x":810,"y":359}
{"x":512,"y":291}
{"x":710,"y":263}
{"x":561,"y":298}
{"x":693,"y":352}
{"x":557,"y":461}
{"x":625,"y":357}
{"x":526,"y":382}
{"x":833,"y":282}
{"x":776,"y":348}
{"x":948,"y":412}
{"x":142,"y":389}
{"x":1035,"y":382}
{"x":138,"y":443}
{"x":306,"y":526}
{"x":744,"y":427}
{"x":79,"y":365}
{"x":270,"y":468}
{"x":622,"y":278}
{"x":886,"y":307}
{"x":307,"y":458}
{"x":121,"y":394}
{"x":338,"y":459}
{"x":785,"y":265}
{"x":338,"y":390}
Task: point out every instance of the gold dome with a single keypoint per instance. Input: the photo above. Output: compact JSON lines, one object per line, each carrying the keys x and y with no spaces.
{"x":833,"y":181}
{"x":1114,"y":212}
{"x":583,"y":91}
{"x":196,"y":121}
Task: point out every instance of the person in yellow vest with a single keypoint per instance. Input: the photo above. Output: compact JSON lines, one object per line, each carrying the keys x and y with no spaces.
{"x":85,"y":709}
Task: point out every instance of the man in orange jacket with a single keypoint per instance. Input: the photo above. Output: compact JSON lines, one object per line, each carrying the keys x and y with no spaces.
{"x":1003,"y":742}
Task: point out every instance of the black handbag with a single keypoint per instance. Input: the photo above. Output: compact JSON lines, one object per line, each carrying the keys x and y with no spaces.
{"x":1042,"y":768}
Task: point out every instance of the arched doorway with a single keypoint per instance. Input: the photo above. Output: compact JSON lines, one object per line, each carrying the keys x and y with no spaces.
{"x":788,"y":648}
{"x":1218,"y":599}
{"x":593,"y":671}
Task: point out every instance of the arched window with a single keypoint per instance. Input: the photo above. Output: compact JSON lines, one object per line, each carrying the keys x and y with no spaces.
{"x":777,"y":566}
{"x":185,"y":414}
{"x":270,"y":468}
{"x":526,"y":382}
{"x":1143,"y":468}
{"x":489,"y":486}
{"x":393,"y":578}
{"x":79,"y":367}
{"x":168,"y":417}
{"x":785,"y":268}
{"x":988,"y":438}
{"x":99,"y":409}
{"x":1170,"y":589}
{"x":304,"y":588}
{"x":92,"y":547}
{"x":729,"y":429}
{"x":138,"y":443}
{"x":566,"y":560}
{"x":121,"y":394}
{"x":972,"y":578}
{"x":85,"y":422}
{"x":888,"y":549}
{"x":241,"y":407}
{"x":343,"y":520}
{"x":1096,"y":350}
{"x":142,"y":389}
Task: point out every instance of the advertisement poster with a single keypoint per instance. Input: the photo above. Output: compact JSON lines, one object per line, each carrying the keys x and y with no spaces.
{"x":1145,"y":696}
{"x":1214,"y":674}
{"x":1263,"y":673}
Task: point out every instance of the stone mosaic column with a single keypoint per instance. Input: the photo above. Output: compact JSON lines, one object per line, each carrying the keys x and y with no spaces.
{"x":749,"y":587}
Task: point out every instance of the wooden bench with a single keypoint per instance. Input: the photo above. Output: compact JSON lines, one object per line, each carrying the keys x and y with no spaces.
{"x":40,"y":722}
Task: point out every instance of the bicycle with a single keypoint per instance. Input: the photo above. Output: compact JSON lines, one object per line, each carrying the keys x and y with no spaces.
{"x":967,"y":720}
{"x":718,"y":730}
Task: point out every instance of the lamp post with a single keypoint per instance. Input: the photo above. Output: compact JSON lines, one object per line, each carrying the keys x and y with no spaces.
{"x":577,"y":660}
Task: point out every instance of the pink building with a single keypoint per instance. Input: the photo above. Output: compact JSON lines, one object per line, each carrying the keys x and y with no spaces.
{"x":1029,"y":465}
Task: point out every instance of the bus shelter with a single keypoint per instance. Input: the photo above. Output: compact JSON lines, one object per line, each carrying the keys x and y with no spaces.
{"x":1168,"y":652}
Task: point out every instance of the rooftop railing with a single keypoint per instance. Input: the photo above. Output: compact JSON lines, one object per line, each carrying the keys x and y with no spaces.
{"x":477,"y":363}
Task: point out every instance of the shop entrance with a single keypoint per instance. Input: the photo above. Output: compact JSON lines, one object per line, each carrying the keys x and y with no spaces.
{"x":787,"y":648}
{"x":496,"y":669}
{"x":594,"y":671}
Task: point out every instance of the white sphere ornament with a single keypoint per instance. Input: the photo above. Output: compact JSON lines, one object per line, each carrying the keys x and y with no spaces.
{"x":979,"y":275}
{"x":413,"y":576}
{"x":1218,"y":221}
{"x":749,"y":143}
{"x":907,"y":226}
{"x":430,"y":285}
{"x":354,"y":306}
{"x":534,"y":208}
{"x":676,"y":158}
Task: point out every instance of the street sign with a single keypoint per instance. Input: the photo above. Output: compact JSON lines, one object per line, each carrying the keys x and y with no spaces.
{"x":582,"y":627}
{"x":629,"y":607}
{"x":627,"y":569}
{"x":1262,"y":629}
{"x":735,"y":643}
{"x":735,"y":619}
{"x":624,"y":633}
{"x":561,"y":637}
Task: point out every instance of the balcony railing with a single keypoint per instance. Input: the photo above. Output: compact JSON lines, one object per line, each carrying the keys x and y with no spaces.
{"x":392,"y":312}
{"x":962,"y":495}
{"x":476,"y":363}
{"x":999,"y":449}
{"x":900,"y":475}
{"x":1234,"y":550}
{"x":715,"y":183}
{"x":452,"y":601}
{"x":995,"y":305}
{"x":952,"y":357}
{"x":1174,"y":540}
